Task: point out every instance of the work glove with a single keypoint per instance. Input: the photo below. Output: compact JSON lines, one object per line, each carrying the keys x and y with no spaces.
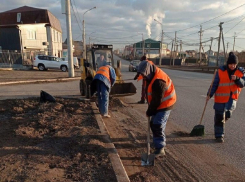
{"x":136,"y":76}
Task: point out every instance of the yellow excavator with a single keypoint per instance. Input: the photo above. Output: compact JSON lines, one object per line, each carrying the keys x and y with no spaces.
{"x":90,"y":66}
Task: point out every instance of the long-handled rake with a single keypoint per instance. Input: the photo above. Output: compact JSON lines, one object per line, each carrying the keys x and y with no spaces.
{"x":198,"y":130}
{"x":147,"y":159}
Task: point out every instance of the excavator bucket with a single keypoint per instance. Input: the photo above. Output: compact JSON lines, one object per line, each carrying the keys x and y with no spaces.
{"x":123,"y":89}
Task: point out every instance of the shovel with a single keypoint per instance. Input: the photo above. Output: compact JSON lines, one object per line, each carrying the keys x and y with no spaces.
{"x":147,"y":159}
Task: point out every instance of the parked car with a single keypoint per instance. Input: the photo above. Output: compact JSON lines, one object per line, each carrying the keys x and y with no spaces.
{"x":133,"y":66}
{"x":44,"y":62}
{"x":75,"y":61}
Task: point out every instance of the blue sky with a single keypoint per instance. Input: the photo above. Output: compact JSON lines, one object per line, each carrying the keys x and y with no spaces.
{"x":123,"y":22}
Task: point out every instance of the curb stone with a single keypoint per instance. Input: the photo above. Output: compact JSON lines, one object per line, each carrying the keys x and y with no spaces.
{"x":39,"y":81}
{"x":117,"y":165}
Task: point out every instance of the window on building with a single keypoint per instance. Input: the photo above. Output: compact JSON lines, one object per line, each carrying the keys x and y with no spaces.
{"x":57,"y":36}
{"x":31,"y":34}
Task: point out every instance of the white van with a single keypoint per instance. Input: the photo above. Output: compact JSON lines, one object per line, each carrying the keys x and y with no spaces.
{"x":75,"y":61}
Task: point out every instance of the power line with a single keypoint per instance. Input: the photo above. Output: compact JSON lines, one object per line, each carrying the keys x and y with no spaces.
{"x":235,"y":25}
{"x":212,"y":18}
{"x":75,"y":16}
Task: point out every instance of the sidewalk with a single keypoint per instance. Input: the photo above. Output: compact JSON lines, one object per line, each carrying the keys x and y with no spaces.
{"x":194,"y":68}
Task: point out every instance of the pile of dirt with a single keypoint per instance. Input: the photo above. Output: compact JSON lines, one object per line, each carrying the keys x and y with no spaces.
{"x":51,"y":142}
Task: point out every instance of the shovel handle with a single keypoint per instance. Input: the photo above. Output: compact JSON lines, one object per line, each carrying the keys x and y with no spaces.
{"x":148,"y":137}
{"x":208,"y":95}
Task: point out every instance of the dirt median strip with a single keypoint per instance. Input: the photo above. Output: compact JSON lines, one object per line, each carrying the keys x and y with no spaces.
{"x":112,"y":152}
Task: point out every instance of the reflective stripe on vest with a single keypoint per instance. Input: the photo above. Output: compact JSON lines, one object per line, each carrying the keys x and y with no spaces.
{"x":169,"y":96}
{"x":227,"y":87}
{"x":104,"y":70}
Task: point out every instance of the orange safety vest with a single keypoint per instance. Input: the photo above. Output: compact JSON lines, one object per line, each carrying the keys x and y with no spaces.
{"x":104,"y":70}
{"x":226,"y":87}
{"x":169,"y":97}
{"x":141,"y":77}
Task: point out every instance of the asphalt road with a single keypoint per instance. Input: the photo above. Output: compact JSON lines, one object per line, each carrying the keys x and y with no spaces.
{"x":191,"y":89}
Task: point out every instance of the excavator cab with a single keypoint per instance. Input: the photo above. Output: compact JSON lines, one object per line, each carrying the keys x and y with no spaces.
{"x":100,"y":55}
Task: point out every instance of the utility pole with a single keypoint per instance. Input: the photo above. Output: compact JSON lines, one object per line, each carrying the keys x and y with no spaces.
{"x":210,"y":48}
{"x":220,"y":29}
{"x":143,"y":42}
{"x":69,"y":39}
{"x":223,"y":43}
{"x":160,"y":61}
{"x":234,"y":41}
{"x":134,"y":50}
{"x":200,"y":47}
{"x":171,"y":55}
{"x":84,"y":38}
{"x":181,"y":49}
{"x":175,"y":44}
{"x":227,"y":48}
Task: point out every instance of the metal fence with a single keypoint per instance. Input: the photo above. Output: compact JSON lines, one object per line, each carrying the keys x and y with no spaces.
{"x":213,"y":61}
{"x":8,"y":58}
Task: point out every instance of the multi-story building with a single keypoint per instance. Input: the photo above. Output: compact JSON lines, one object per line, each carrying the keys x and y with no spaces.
{"x":28,"y":31}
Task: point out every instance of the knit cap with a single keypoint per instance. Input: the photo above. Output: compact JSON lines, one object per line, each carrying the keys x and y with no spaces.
{"x":232,"y":59}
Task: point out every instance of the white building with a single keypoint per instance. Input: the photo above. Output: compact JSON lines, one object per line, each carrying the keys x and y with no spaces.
{"x":30,"y":31}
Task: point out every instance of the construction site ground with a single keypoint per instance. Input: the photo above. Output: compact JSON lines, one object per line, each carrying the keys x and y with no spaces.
{"x":62,"y":142}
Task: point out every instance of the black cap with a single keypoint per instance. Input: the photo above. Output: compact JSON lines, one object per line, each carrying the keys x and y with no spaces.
{"x":232,"y":59}
{"x":143,"y":58}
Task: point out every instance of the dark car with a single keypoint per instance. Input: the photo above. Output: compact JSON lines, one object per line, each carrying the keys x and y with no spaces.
{"x":133,"y":66}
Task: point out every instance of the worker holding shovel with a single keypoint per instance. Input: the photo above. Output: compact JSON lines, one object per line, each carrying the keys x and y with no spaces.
{"x":227,"y":85}
{"x":161,"y":97}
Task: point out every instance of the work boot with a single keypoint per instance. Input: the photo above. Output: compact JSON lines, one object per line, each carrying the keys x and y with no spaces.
{"x":106,"y":116}
{"x":220,"y":140}
{"x":141,"y":102}
{"x":159,"y":152}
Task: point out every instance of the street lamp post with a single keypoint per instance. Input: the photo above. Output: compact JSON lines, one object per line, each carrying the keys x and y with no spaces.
{"x":143,"y":44}
{"x":160,"y":61}
{"x":84,"y":41}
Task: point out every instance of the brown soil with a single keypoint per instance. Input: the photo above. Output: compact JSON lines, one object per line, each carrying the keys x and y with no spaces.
{"x":62,"y":142}
{"x":51,"y":142}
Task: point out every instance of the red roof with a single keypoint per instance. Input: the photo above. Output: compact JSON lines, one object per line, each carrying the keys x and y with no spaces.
{"x":29,"y":15}
{"x":22,"y":9}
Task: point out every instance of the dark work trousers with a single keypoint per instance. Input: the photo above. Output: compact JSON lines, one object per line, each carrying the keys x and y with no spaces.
{"x":143,"y":90}
{"x":220,"y":118}
{"x":158,"y":124}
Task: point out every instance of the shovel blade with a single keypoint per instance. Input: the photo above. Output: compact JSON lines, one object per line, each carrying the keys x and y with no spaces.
{"x":147,"y":160}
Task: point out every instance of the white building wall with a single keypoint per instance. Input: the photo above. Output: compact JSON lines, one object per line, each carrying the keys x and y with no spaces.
{"x":54,"y":38}
{"x":33,"y":36}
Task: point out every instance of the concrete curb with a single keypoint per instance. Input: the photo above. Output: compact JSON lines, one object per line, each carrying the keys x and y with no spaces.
{"x":6,"y":69}
{"x":117,"y":165}
{"x":39,"y":81}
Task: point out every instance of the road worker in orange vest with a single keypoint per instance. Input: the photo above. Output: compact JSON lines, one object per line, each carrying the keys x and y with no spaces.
{"x":102,"y":83}
{"x":138,"y":77}
{"x":161,"y":98}
{"x":228,"y":82}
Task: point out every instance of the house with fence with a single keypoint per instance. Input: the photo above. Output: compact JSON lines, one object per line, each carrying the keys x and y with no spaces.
{"x":25,"y":32}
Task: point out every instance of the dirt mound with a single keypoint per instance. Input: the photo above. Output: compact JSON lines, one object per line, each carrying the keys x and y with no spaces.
{"x":116,"y":102}
{"x":51,"y":142}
